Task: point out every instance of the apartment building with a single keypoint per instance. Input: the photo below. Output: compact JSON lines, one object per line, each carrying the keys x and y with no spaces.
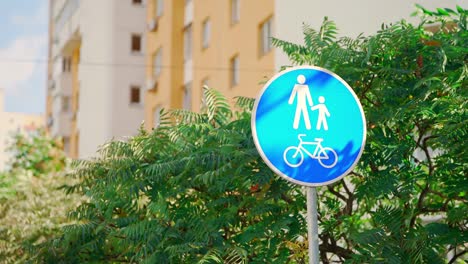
{"x":11,"y":124}
{"x":96,"y":74}
{"x":114,"y":63}
{"x":223,"y":44}
{"x":226,"y":44}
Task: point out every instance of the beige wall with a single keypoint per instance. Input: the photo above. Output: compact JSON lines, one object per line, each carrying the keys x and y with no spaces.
{"x":167,"y":37}
{"x":11,"y":123}
{"x":74,"y":135}
{"x":213,"y":62}
{"x":228,"y":40}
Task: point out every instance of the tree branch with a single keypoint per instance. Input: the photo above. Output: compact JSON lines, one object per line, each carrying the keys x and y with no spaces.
{"x":419,"y":206}
{"x":457,"y":256}
{"x":335,"y":249}
{"x":345,"y":186}
{"x":356,"y":174}
{"x":428,"y":156}
{"x":336,"y":193}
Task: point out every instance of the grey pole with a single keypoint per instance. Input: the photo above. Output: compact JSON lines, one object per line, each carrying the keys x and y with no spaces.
{"x":312,"y":223}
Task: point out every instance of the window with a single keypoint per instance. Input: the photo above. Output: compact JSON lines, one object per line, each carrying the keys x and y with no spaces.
{"x":66,"y":64}
{"x":136,"y":43}
{"x":50,"y":121}
{"x":235,"y":11}
{"x":157,"y":63}
{"x":234,"y":69}
{"x":159,"y":6}
{"x":65,"y":103}
{"x":135,"y":94}
{"x":69,"y":64}
{"x":187,"y":103}
{"x":188,"y":43}
{"x":66,"y":144}
{"x":265,"y":36}
{"x":206,"y":33}
{"x":137,"y":2}
{"x":157,"y":116}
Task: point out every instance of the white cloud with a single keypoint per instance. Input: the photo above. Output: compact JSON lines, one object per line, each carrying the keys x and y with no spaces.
{"x":20,"y":59}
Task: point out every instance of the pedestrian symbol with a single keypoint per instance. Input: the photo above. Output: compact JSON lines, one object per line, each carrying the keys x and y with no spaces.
{"x":322,"y":113}
{"x":302,"y":93}
{"x":309,"y":143}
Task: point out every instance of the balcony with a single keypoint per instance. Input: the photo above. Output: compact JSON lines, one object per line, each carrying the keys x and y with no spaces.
{"x":63,"y":84}
{"x":64,"y":15}
{"x":61,"y":116}
{"x":61,"y":126}
{"x":66,"y":22}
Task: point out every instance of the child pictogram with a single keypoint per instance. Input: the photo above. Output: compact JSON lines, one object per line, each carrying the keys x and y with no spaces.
{"x":322,"y":113}
{"x":302,"y":93}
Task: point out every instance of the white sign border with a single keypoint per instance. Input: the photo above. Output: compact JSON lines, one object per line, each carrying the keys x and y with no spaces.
{"x":260,"y":150}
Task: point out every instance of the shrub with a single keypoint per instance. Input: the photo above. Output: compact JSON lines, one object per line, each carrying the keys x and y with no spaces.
{"x":195,"y":190}
{"x":32,"y":207}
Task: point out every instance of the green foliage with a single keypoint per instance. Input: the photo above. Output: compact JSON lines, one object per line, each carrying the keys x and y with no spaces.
{"x":406,"y":202}
{"x":6,"y":186}
{"x":32,"y":207}
{"x":37,"y":153}
{"x":193,"y":191}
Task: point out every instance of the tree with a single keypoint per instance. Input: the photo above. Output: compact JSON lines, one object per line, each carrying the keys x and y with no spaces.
{"x":406,"y":202}
{"x":195,"y":190}
{"x":191,"y":192}
{"x":32,"y":207}
{"x":36,"y":153}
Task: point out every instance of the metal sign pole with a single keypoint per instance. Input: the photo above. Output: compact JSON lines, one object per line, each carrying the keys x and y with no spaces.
{"x":312,"y":224}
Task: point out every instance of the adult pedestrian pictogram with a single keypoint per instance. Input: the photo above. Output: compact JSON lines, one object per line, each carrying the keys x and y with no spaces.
{"x":309,"y":126}
{"x":302,"y":95}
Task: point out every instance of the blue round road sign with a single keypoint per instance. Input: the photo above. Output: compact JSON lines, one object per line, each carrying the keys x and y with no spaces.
{"x":308,"y":126}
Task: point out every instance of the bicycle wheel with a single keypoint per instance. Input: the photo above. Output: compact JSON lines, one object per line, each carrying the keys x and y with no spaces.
{"x":327,"y":158}
{"x":293,"y":157}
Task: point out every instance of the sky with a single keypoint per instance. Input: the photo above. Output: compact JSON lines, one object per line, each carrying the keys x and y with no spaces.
{"x":23,"y":54}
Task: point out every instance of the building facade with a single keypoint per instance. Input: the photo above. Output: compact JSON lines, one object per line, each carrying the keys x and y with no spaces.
{"x":96,"y":72}
{"x":226,"y":44}
{"x":221,"y":44}
{"x":11,"y":124}
{"x":115,"y":63}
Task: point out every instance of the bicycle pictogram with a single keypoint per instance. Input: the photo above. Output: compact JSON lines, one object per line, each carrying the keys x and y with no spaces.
{"x":294,"y":155}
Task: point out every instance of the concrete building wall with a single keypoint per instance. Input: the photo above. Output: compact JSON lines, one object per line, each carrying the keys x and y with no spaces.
{"x":100,"y":32}
{"x":210,"y":64}
{"x":130,"y":68}
{"x":228,"y":40}
{"x":96,"y":37}
{"x":352,"y":17}
{"x":95,"y":73}
{"x":164,"y":90}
